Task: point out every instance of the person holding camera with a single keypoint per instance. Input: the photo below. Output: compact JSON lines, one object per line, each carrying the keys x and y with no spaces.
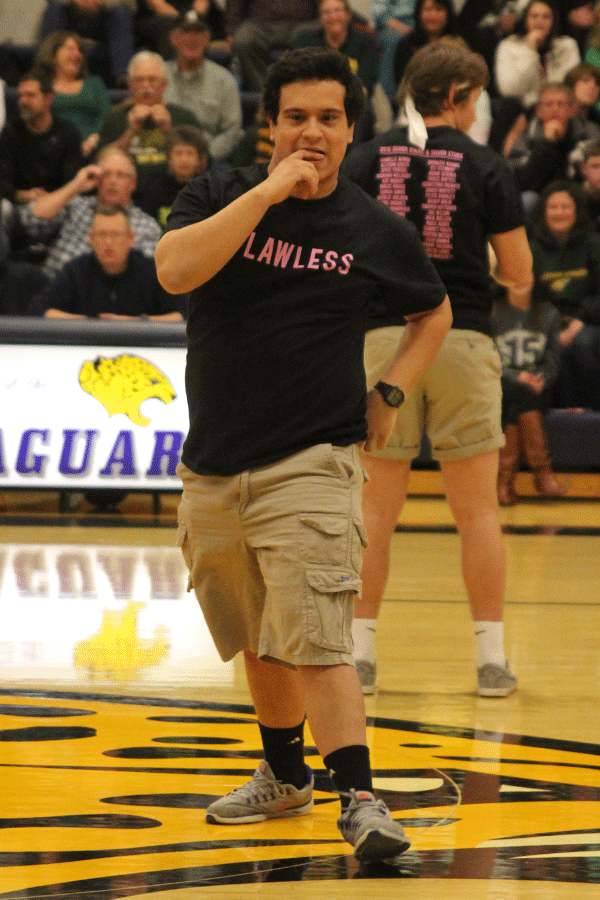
{"x":142,"y":124}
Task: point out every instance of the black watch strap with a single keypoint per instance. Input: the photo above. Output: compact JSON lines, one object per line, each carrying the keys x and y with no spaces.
{"x":391,"y":393}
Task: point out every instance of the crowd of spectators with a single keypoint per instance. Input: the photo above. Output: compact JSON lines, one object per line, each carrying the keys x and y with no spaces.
{"x":126,"y":100}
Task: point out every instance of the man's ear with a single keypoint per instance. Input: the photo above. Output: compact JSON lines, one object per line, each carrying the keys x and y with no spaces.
{"x":450,"y":101}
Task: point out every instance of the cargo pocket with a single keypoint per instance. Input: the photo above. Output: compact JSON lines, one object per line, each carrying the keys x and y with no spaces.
{"x":323,"y":539}
{"x":328,"y":608}
{"x":359,"y":542}
{"x":184,"y":546}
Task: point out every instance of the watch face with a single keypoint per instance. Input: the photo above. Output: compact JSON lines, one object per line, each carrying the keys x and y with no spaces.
{"x":395,"y":396}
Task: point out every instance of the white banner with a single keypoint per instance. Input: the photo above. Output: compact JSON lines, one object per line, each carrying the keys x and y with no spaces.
{"x":76,"y":417}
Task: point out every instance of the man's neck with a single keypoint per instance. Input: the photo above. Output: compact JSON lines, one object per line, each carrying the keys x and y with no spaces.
{"x":189,"y":66}
{"x":41,"y":125}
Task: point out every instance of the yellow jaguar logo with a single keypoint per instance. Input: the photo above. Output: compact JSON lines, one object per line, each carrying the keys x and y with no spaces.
{"x":122,"y":384}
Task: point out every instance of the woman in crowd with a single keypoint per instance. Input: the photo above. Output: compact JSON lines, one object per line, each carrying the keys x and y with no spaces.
{"x":433,"y":20}
{"x":535,"y":53}
{"x":566,"y":254}
{"x":78,"y":96}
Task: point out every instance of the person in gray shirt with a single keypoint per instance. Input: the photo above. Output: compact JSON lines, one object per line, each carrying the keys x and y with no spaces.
{"x":204,"y":87}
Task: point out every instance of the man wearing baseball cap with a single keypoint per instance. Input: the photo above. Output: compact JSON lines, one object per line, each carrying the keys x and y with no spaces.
{"x":204,"y":87}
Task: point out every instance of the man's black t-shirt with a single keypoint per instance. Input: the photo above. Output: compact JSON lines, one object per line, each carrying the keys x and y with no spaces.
{"x":457,"y":193}
{"x":47,"y":160}
{"x":276,"y":338}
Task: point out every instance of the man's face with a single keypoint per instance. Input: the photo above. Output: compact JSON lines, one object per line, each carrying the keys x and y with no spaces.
{"x":590,"y":170}
{"x":117,"y":180}
{"x":334,"y":16}
{"x":554,"y":105}
{"x":190,"y":44}
{"x":33,"y":103}
{"x":185,"y":162}
{"x":312,"y":118}
{"x":147,"y":82}
{"x":111,"y":239}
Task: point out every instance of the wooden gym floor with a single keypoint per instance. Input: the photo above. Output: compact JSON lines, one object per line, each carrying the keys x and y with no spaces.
{"x":119,"y":723}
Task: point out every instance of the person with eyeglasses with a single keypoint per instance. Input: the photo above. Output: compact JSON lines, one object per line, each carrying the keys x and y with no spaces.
{"x":62,"y":219}
{"x":142,"y":124}
{"x":112,"y":282}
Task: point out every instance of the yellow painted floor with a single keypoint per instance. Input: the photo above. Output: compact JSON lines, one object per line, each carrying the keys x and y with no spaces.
{"x":119,"y":723}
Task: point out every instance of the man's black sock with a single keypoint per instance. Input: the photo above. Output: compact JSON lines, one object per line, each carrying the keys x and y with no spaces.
{"x":284,"y":751}
{"x":350,"y":767}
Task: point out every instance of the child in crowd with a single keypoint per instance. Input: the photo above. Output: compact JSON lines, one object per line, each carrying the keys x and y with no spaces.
{"x":187,"y":156}
{"x":527,"y":327}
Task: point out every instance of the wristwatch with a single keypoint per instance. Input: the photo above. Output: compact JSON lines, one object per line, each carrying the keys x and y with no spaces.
{"x":393,"y":396}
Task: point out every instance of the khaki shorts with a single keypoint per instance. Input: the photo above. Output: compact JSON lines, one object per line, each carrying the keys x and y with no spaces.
{"x":458,"y":401}
{"x":274,"y":555}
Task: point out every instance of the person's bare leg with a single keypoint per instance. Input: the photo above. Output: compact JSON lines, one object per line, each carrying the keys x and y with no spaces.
{"x":329,"y":695}
{"x":470,"y":486}
{"x":383,"y":498}
{"x":268,"y":684}
{"x":471,"y":490}
{"x":335,"y":707}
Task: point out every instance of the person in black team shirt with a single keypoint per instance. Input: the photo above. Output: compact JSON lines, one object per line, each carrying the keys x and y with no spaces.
{"x":284,"y":262}
{"x":459,"y":195}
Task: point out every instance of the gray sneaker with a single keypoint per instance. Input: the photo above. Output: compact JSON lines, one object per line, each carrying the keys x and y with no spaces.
{"x":495,"y":681}
{"x":369,"y":827}
{"x":263,"y":797}
{"x":367,"y":675}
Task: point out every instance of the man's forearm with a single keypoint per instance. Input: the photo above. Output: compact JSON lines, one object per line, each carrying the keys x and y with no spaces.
{"x":51,"y":204}
{"x":421,"y":340}
{"x":188,"y":257}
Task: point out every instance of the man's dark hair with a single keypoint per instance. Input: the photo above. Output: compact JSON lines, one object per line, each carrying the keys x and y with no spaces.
{"x":43,"y":75}
{"x":313,"y":64}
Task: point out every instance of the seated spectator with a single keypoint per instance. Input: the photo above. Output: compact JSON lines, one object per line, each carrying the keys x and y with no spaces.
{"x":108,"y":21}
{"x":112,"y":282}
{"x":535,"y":53}
{"x":63,"y":218}
{"x":79,"y":97}
{"x":566,"y":253}
{"x":257,"y":27}
{"x":256,"y":145}
{"x":584,"y":82}
{"x":337,"y":32}
{"x":526,"y":327}
{"x":141,"y":125}
{"x":551,"y":145}
{"x":393,"y":20}
{"x":187,"y":157}
{"x":19,"y":280}
{"x":38,"y":152}
{"x":484,"y":23}
{"x":155,"y":19}
{"x":433,"y":20}
{"x":203,"y":87}
{"x":590,"y":172}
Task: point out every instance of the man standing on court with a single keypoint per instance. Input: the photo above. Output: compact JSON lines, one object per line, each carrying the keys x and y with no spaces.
{"x":462,"y":197}
{"x":284,"y":263}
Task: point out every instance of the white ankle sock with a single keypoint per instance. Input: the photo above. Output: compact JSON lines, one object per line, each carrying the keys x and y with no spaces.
{"x":363,"y":635}
{"x":489,"y":643}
